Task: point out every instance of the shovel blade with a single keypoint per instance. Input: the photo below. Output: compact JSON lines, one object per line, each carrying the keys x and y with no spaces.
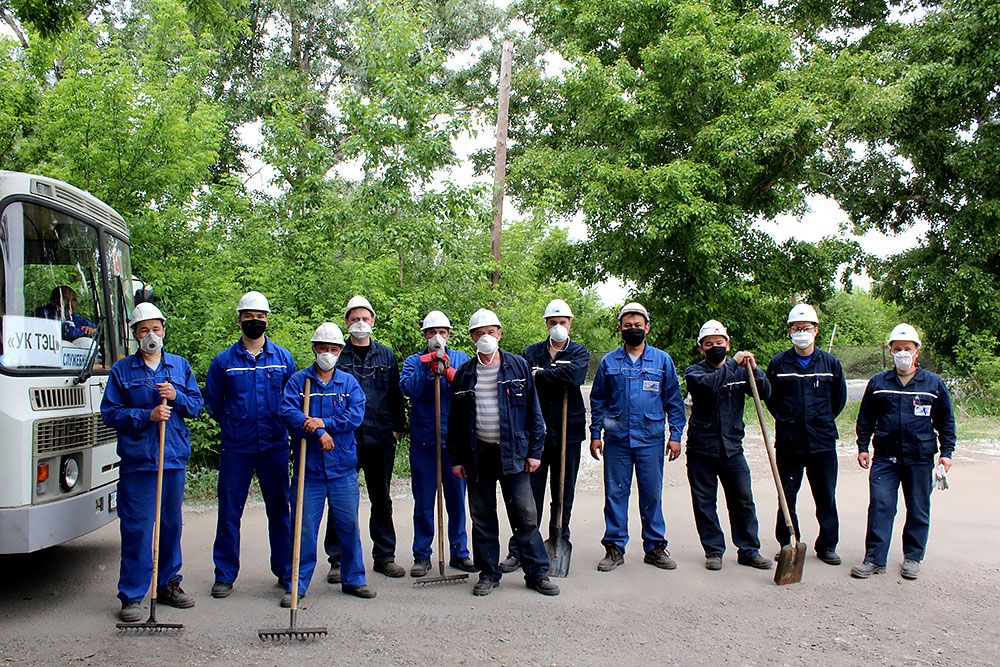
{"x":560,"y":551}
{"x":790,"y":564}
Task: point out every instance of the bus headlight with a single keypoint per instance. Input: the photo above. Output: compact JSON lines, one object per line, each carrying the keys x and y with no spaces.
{"x":69,"y":473}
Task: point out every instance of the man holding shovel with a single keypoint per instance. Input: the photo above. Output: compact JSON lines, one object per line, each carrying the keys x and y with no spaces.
{"x":559,"y":366}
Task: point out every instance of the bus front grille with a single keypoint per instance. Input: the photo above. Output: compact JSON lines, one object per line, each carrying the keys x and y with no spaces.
{"x":64,"y":434}
{"x":57,"y":398}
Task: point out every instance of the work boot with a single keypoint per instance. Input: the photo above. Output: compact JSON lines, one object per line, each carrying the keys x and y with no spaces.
{"x":484,"y":586}
{"x":286,"y":600}
{"x":333,"y":576}
{"x":464,"y":564}
{"x":545,"y":586}
{"x":660,"y":557}
{"x":756,"y":561}
{"x":910,"y":569}
{"x":221,"y":590}
{"x":174,"y":596}
{"x":830,"y":557}
{"x":131,"y":612}
{"x":713,"y":562}
{"x":364,"y":591}
{"x":420,"y":568}
{"x":612,"y":559}
{"x":866,"y":570}
{"x":389,"y":568}
{"x":510,"y":563}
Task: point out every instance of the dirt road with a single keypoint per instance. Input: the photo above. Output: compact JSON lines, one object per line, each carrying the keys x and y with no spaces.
{"x":58,"y":606}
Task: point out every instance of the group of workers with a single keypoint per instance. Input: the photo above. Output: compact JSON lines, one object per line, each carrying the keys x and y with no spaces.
{"x":501,"y":420}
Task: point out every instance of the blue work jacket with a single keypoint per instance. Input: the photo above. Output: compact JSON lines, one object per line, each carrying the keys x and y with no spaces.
{"x":560,"y":376}
{"x":417,"y":383}
{"x":129,"y":398}
{"x":522,"y":427}
{"x":717,"y":398}
{"x":901,"y":420}
{"x":630,"y":402}
{"x":72,"y":328}
{"x":340,"y":403}
{"x":378,"y":375}
{"x":243,"y":394}
{"x":805,"y":402}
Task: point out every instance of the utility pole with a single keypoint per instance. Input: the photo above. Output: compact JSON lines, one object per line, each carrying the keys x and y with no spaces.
{"x":500,"y":167}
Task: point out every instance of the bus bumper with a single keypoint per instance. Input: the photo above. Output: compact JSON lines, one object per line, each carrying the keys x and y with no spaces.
{"x":33,"y":527}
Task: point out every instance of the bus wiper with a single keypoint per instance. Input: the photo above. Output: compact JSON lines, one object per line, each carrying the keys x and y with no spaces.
{"x":88,"y":367}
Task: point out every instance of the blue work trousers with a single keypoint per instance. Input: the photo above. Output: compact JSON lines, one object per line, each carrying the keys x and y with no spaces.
{"x":423,"y":481}
{"x":136,"y":510}
{"x":342,"y":496}
{"x":820,"y":469}
{"x":886,"y":476}
{"x":235,"y":472}
{"x":619,"y":462}
{"x":704,"y":475}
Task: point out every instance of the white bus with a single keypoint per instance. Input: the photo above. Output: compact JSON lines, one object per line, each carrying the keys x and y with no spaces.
{"x":65,"y":297}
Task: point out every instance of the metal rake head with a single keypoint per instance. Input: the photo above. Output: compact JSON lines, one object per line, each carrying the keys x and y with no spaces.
{"x":436,"y":581}
{"x":302,"y":634}
{"x":149,"y":626}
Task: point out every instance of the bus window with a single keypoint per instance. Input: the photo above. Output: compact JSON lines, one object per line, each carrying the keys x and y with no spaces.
{"x":120,"y":273}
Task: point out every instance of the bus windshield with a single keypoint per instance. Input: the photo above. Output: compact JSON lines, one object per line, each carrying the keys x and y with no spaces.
{"x":52,"y":298}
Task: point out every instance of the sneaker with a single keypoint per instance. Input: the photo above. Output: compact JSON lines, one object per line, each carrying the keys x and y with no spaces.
{"x":286,"y":600}
{"x":866,"y":570}
{"x":466,"y":564}
{"x":221,"y":590}
{"x":755,"y":561}
{"x":830,"y":557}
{"x":389,"y":568}
{"x":713,"y":562}
{"x":333,"y":576}
{"x":420,"y":568}
{"x":364,"y":591}
{"x":174,"y":596}
{"x":545,"y":586}
{"x":132,"y":611}
{"x":660,"y":557}
{"x":910,"y":569}
{"x":510,"y":563}
{"x":484,"y":586}
{"x":612,"y":559}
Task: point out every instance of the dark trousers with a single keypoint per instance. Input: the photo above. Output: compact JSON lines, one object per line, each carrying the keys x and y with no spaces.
{"x":550,"y":472}
{"x":884,"y":480}
{"x":376,"y":461}
{"x":704,"y":475}
{"x":820,"y":469}
{"x":521,"y":513}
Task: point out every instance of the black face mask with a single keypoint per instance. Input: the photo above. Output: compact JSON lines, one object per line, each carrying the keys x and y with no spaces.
{"x":253,"y":329}
{"x":715,"y":355}
{"x":633,"y":337}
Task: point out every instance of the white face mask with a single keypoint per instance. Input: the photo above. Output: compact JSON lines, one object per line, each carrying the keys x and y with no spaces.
{"x":487,"y":344}
{"x":803,"y":339}
{"x":903,"y":361}
{"x":326,"y":360}
{"x":360,"y":330}
{"x":437,"y":342}
{"x":558,"y":333}
{"x":151,"y":343}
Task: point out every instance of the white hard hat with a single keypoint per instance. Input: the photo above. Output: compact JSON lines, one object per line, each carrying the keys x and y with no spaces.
{"x":803,"y":312}
{"x":435,"y":320}
{"x":905,"y":332}
{"x":633,"y":308}
{"x":483,"y":318}
{"x":358,"y":302}
{"x":712,"y":328}
{"x":253,"y":301}
{"x":557,"y":308}
{"x":328,"y":332}
{"x":146,"y":311}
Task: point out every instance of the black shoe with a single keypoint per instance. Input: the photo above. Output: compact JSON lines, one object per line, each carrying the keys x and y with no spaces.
{"x":286,"y":600}
{"x":420,"y":568}
{"x":333,"y":576}
{"x":756,"y":561}
{"x":174,"y":596}
{"x":465,"y":564}
{"x":612,"y":559}
{"x":484,"y":586}
{"x":713,"y":562}
{"x":660,"y":557}
{"x":363,"y":591}
{"x":221,"y":590}
{"x":510,"y":563}
{"x":132,"y":611}
{"x":389,"y":568}
{"x":829,"y":557}
{"x":544,"y":586}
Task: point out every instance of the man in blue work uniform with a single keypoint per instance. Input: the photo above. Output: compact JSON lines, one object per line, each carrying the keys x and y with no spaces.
{"x":718,"y":386}
{"x":62,"y":306}
{"x":243,"y":392}
{"x":908,"y":411}
{"x":559,"y":366}
{"x":495,"y":435}
{"x":416,"y":381}
{"x":375,"y":368}
{"x":132,"y":405}
{"x":336,"y":409}
{"x":808,"y":391}
{"x":635,"y":398}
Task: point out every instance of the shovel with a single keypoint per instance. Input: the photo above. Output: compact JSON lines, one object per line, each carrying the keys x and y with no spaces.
{"x":792,"y":557}
{"x":559,"y":548}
